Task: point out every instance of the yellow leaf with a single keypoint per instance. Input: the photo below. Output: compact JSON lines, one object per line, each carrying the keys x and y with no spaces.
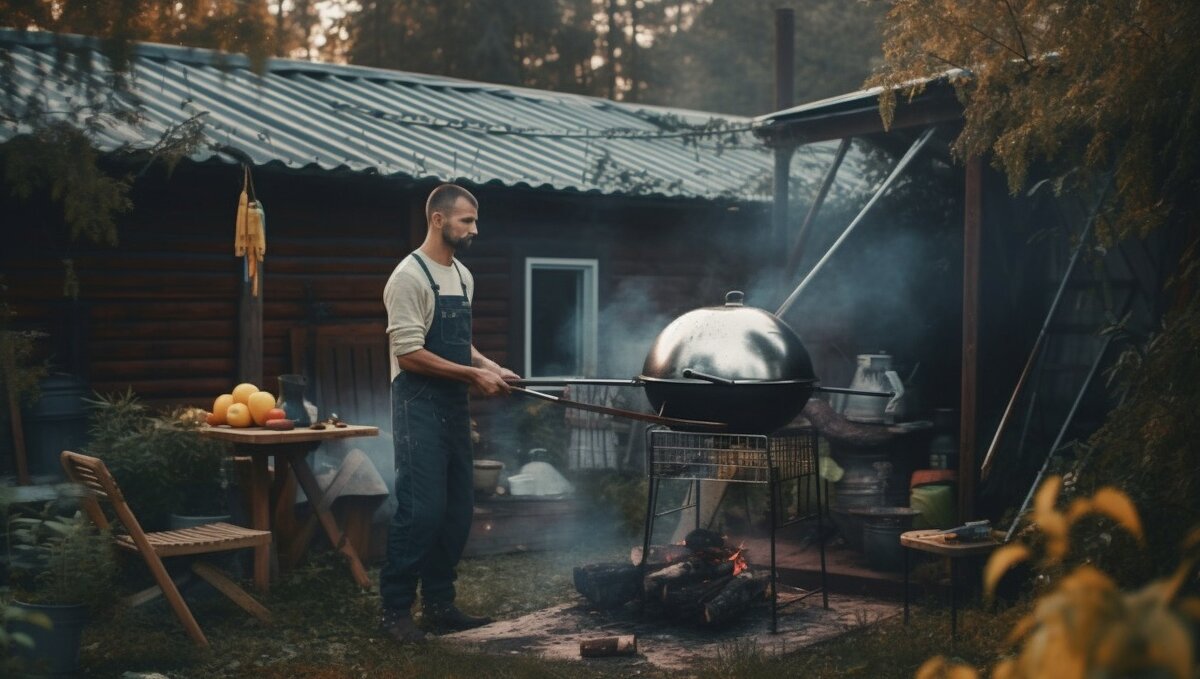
{"x":1047,"y":495}
{"x":1000,"y":562}
{"x":1170,"y":644}
{"x":1118,"y":507}
{"x":1020,"y":629}
{"x":1171,"y":587}
{"x":962,"y":672}
{"x":932,"y":668}
{"x":1079,"y":507}
{"x":1005,"y":669}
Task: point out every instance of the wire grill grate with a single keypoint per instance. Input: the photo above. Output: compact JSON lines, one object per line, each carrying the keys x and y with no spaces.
{"x":738,"y":458}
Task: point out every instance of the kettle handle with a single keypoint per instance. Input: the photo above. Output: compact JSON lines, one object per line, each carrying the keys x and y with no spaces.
{"x":897,"y":388}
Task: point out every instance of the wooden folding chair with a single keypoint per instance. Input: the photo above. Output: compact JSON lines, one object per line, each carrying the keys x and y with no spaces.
{"x":91,"y":473}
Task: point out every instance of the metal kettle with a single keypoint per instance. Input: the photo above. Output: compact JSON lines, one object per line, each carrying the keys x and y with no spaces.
{"x":874,"y":373}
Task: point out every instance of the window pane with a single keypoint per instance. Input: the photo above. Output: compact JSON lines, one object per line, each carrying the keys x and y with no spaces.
{"x":556,"y":321}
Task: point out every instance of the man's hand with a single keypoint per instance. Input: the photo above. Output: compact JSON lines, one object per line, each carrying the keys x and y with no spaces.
{"x":489,"y":383}
{"x":508,"y":375}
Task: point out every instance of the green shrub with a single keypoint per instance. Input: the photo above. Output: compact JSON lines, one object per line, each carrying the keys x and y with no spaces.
{"x":159,"y":461}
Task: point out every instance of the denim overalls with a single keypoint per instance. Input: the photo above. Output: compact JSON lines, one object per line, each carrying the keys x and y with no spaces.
{"x":432,"y":435}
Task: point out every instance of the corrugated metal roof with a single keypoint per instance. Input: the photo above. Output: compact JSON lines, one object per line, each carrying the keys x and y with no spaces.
{"x":307,"y":115}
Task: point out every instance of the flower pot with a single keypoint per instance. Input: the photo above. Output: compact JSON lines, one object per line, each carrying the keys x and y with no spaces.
{"x":56,"y":649}
{"x":487,"y":475}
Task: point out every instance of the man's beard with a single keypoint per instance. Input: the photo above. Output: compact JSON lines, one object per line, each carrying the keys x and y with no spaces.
{"x":456,"y":244}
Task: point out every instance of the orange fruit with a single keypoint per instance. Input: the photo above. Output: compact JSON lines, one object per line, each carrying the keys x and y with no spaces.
{"x":260,"y":403}
{"x":238,"y":415}
{"x":241,"y":393}
{"x":276,"y":414}
{"x":219,"y":407}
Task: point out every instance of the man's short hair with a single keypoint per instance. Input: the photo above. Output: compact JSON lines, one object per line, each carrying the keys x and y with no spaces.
{"x":444,"y":197}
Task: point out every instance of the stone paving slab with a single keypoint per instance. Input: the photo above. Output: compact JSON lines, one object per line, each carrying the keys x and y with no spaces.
{"x":554,"y":633}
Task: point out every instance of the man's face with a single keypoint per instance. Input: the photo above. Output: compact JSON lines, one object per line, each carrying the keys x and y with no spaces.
{"x":459,"y":225}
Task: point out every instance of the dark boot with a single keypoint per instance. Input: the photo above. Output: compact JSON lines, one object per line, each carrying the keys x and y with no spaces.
{"x":447,"y":617}
{"x":399,"y":626}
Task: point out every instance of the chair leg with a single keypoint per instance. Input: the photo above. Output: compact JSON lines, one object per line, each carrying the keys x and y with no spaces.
{"x":229,"y":588}
{"x":175,"y":599}
{"x":153,"y":592}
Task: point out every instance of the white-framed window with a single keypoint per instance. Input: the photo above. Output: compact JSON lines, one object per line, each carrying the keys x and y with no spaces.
{"x":561,"y":303}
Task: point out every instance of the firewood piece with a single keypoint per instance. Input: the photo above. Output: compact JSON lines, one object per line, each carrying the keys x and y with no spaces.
{"x":603,"y":647}
{"x":733,"y":599}
{"x":687,"y":600}
{"x":696,"y":568}
{"x":660,"y":555}
{"x":607,"y":585}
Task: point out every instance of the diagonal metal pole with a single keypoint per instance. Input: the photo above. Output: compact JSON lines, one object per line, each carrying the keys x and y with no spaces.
{"x":988,"y":459}
{"x":883,"y":188}
{"x":814,"y":209}
{"x":1062,"y":432}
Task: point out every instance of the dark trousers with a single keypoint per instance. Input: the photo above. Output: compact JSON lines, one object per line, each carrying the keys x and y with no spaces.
{"x":434,"y":494}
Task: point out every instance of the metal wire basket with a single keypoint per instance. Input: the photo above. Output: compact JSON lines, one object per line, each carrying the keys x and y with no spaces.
{"x":737,"y":458}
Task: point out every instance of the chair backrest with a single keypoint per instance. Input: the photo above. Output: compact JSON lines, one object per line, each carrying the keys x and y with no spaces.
{"x":98,"y":482}
{"x":348,"y":365}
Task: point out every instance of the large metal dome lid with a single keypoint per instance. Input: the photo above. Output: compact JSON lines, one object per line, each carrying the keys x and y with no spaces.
{"x":733,"y":342}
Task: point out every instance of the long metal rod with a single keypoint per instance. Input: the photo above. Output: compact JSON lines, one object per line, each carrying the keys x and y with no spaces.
{"x":619,"y":412}
{"x":883,"y":188}
{"x":988,"y":458}
{"x":568,"y":381}
{"x":1062,"y":432}
{"x":793,"y":262}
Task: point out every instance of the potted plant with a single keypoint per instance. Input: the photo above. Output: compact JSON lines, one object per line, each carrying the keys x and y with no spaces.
{"x":171,"y":477}
{"x":62,"y":570}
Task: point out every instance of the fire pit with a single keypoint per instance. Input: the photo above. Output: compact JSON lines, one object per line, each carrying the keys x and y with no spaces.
{"x":790,"y":455}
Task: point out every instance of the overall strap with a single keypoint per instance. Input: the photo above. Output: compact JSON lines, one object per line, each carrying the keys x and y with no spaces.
{"x":421,"y":261}
{"x":461,"y":282}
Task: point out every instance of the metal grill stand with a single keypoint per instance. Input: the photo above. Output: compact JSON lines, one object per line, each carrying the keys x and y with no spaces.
{"x":785,"y":456}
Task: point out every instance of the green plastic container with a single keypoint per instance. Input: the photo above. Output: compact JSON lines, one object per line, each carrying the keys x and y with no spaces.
{"x":937,"y":504}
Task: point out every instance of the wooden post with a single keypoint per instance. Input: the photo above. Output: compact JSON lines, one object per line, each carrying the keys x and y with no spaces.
{"x":250,"y":329}
{"x":972,"y":228}
{"x":18,"y":432}
{"x":785,"y":54}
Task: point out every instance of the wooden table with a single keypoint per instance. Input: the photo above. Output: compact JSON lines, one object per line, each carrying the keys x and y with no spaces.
{"x":289,"y":448}
{"x":935,"y":542}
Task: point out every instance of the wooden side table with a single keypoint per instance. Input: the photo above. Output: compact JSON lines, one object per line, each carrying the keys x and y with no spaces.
{"x":289,"y":448}
{"x":935,"y":542}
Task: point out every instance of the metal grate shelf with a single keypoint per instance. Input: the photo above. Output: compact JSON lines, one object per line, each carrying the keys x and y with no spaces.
{"x":736,"y":458}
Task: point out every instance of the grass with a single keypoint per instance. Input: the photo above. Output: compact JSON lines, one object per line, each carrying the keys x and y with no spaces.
{"x":326,"y":627}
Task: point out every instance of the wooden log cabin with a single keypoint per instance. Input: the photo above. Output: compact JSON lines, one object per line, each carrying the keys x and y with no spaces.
{"x":599,"y":223}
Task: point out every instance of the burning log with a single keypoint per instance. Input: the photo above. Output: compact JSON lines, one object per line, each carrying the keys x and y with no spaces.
{"x":695,"y":568}
{"x":608,"y":646}
{"x":734,"y":598}
{"x":607,"y":585}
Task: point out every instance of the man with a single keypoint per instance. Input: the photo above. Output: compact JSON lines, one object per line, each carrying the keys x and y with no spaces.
{"x":428,"y":300}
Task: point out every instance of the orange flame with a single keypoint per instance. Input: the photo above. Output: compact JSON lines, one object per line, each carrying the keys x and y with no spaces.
{"x":739,"y":563}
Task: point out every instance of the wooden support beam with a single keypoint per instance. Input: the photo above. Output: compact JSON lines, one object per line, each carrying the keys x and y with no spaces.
{"x":250,"y":329}
{"x":972,"y":236}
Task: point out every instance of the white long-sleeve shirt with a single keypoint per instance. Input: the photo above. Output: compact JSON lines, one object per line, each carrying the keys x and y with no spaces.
{"x":409,"y":302}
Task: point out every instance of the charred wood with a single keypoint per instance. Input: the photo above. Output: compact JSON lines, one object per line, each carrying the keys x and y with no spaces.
{"x":607,"y":585}
{"x":744,"y":591}
{"x":695,"y":568}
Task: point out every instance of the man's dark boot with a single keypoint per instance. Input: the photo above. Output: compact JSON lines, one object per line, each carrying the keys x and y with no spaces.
{"x":399,"y":625}
{"x":447,"y":617}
